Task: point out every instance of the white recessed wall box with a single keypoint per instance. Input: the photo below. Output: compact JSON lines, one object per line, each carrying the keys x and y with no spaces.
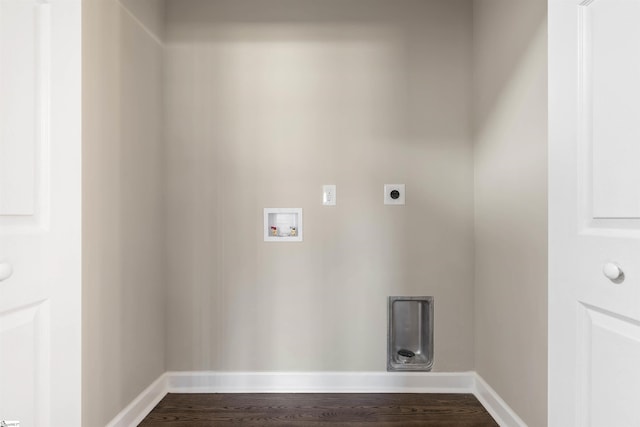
{"x":283,"y":224}
{"x":394,"y":194}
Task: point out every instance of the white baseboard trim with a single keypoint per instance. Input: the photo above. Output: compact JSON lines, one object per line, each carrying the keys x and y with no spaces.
{"x":320,"y":382}
{"x":493,"y":403}
{"x":316,"y":382}
{"x":142,"y":405}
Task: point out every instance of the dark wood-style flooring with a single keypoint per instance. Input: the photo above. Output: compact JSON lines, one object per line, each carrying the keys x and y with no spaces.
{"x":370,"y":410}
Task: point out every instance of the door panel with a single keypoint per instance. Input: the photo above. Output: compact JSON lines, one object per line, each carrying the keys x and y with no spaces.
{"x":19,"y":31}
{"x":611,"y":40}
{"x":24,"y":338}
{"x":25,"y":103}
{"x":610,"y":380}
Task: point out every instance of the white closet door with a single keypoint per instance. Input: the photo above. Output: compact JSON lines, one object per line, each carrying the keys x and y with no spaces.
{"x":40,"y":183}
{"x":594,"y":293}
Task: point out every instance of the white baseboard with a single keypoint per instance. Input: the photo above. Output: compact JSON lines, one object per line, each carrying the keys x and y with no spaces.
{"x":320,"y":382}
{"x":142,"y":405}
{"x":493,"y":403}
{"x":317,"y":382}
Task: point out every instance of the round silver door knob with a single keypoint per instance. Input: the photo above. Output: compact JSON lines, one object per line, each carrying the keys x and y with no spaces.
{"x":5,"y":271}
{"x":613,"y":272}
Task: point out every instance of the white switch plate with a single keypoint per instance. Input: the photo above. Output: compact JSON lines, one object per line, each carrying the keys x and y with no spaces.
{"x":389,"y":189}
{"x":329,"y":195}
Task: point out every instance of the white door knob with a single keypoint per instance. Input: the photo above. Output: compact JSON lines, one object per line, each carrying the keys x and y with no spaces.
{"x":613,"y":272}
{"x":5,"y":271}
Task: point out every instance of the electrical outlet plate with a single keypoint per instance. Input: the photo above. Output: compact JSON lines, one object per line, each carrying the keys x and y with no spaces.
{"x":389,"y":194}
{"x":329,"y":195}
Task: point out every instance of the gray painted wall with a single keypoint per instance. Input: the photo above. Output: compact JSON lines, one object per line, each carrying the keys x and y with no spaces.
{"x":266,"y":101}
{"x":510,"y":159}
{"x":123,"y":313}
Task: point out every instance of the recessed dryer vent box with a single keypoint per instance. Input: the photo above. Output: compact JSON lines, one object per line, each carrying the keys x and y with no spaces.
{"x":410,"y":334}
{"x":283,"y":224}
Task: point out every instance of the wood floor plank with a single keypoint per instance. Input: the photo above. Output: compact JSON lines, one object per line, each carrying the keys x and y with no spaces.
{"x":303,"y":409}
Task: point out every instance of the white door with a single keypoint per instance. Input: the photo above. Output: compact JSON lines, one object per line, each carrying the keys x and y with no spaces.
{"x":594,"y":205}
{"x":40,"y":212}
